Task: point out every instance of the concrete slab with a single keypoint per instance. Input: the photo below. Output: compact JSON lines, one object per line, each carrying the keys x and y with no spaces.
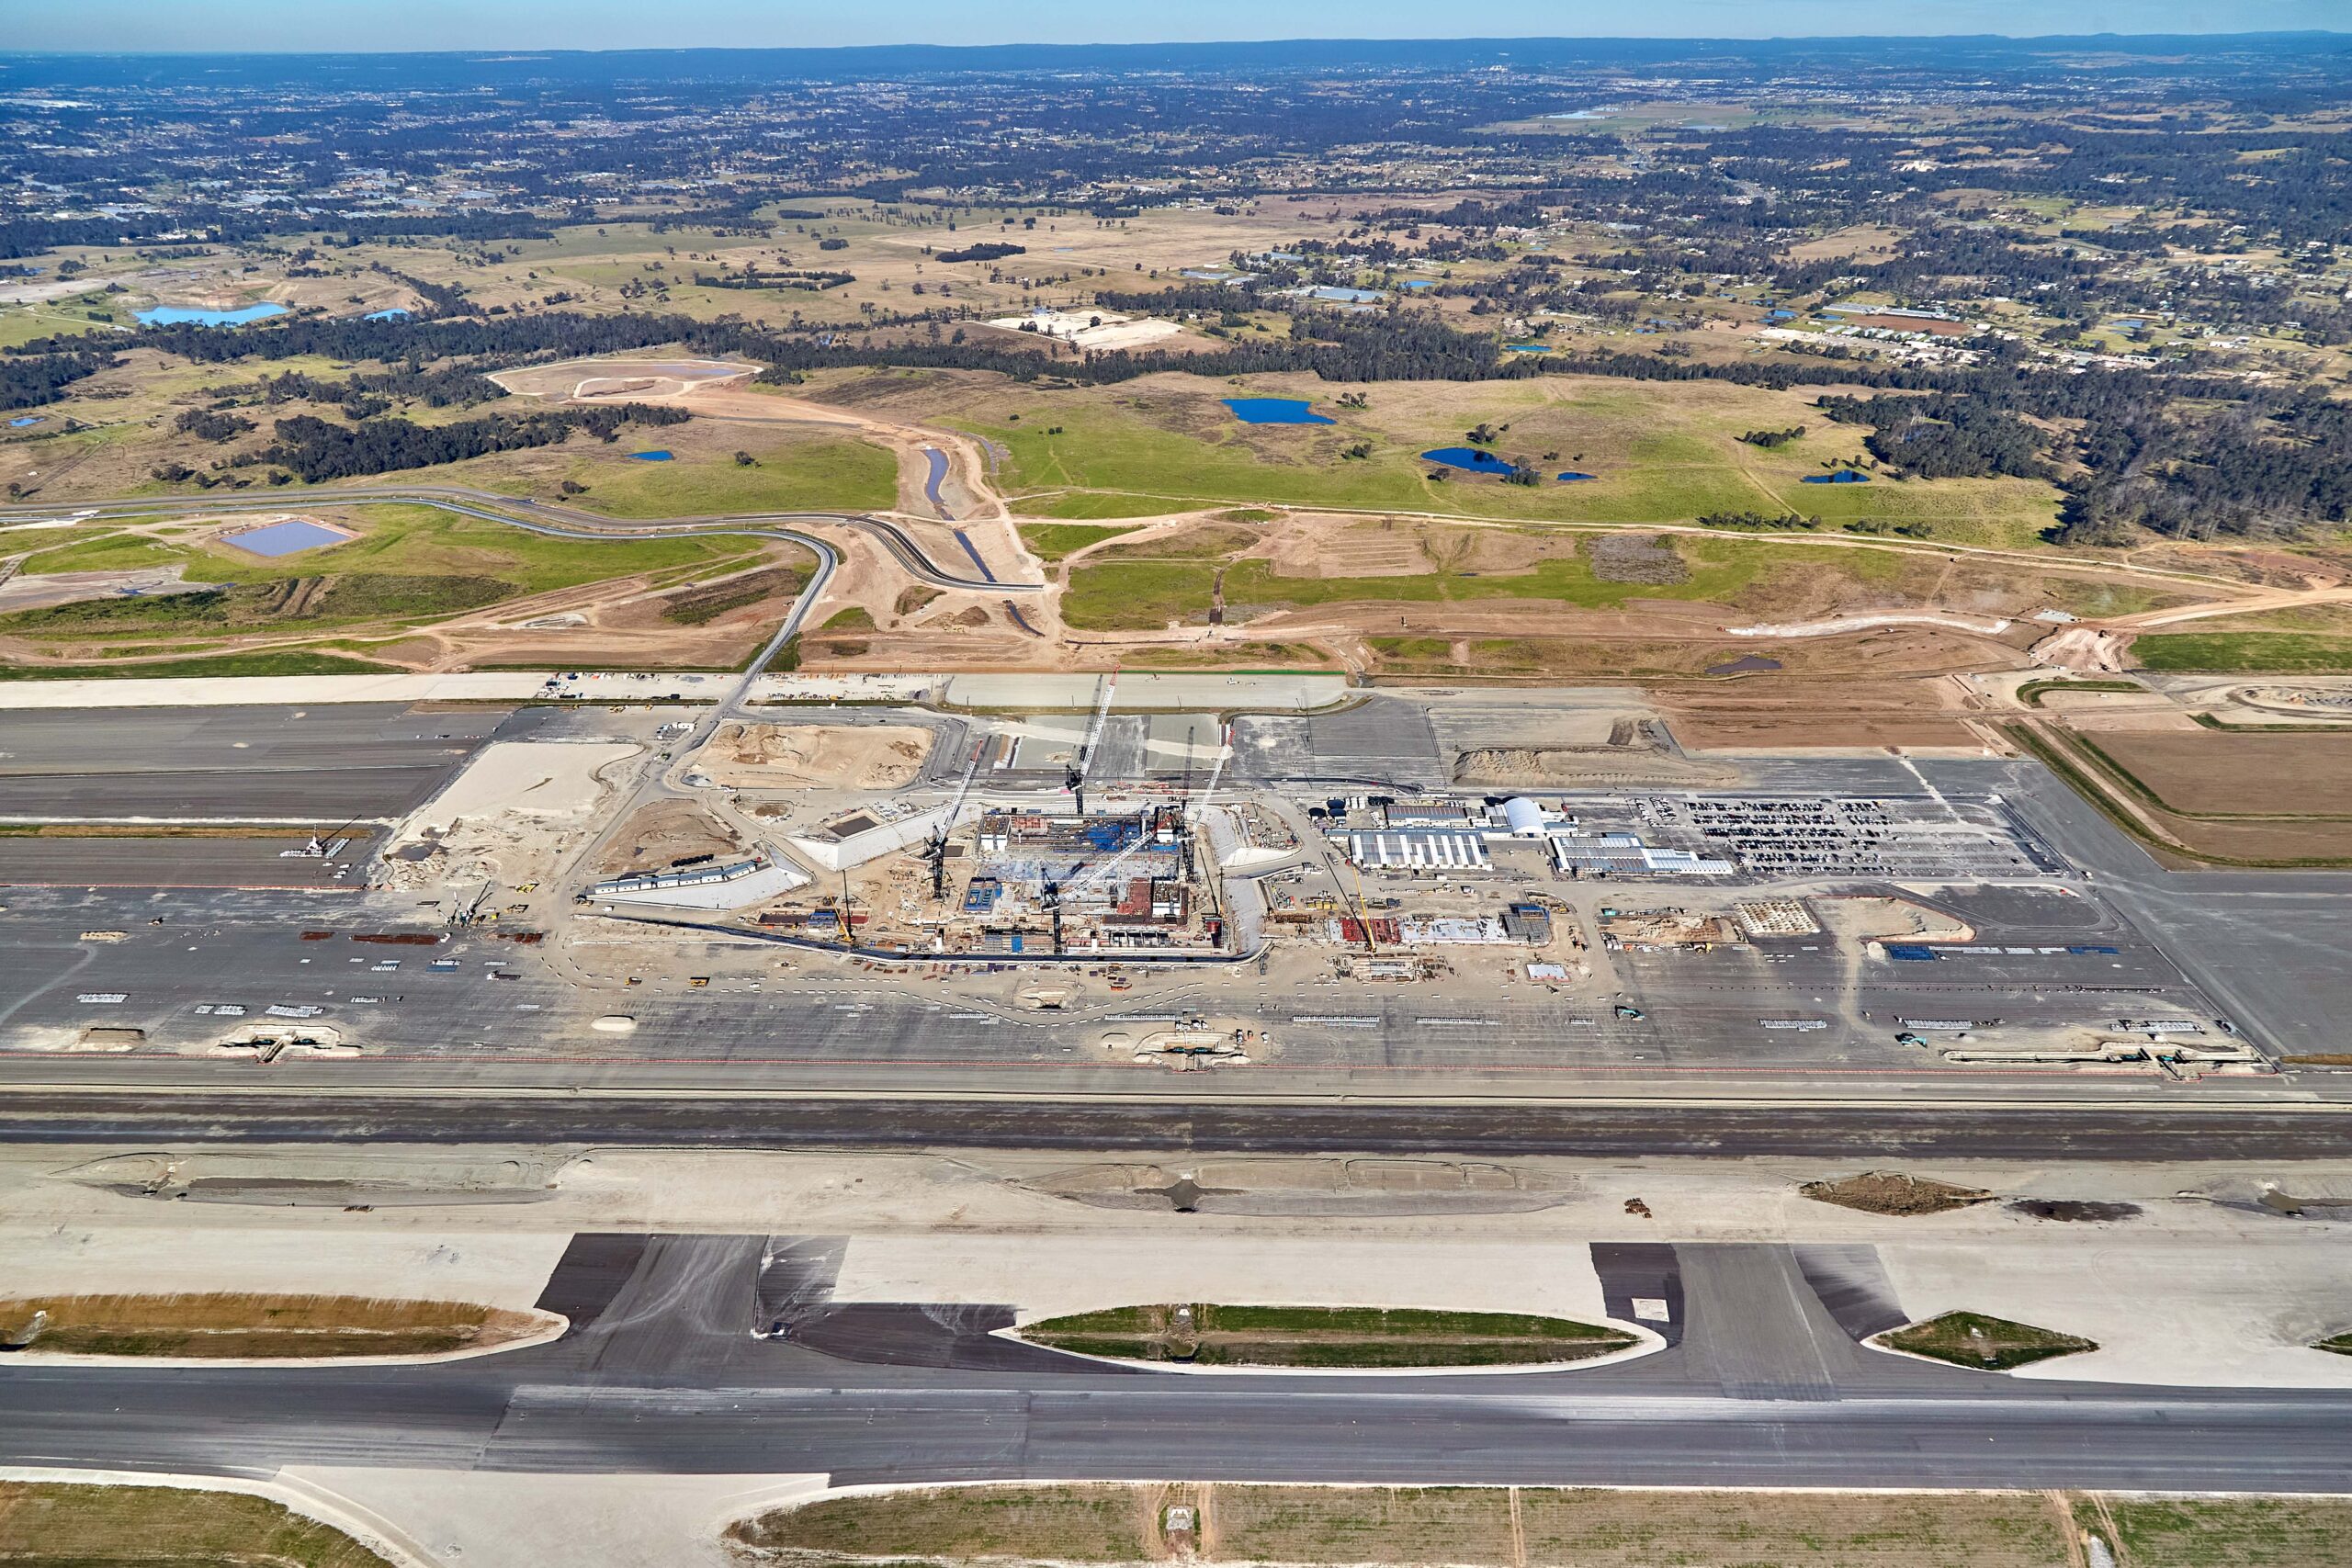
{"x":2169,"y":1310}
{"x":514,"y":1520}
{"x":1138,"y":691}
{"x":269,"y":1254}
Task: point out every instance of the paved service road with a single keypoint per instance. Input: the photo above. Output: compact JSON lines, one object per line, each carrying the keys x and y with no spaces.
{"x":1763,"y":1389}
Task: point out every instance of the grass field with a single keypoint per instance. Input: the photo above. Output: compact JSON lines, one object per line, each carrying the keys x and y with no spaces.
{"x":2032,"y":691}
{"x":1206,"y":1334}
{"x":405,"y":541}
{"x":1972,"y":1339}
{"x":281,"y":661}
{"x":48,"y":1524}
{"x":2304,"y":653}
{"x":2235,"y":1532}
{"x":1412,"y":1526}
{"x":233,"y":1326}
{"x":1167,"y":581}
{"x":1175,"y":578}
{"x":1058,"y":541}
{"x":801,"y":473}
{"x":409,"y":566}
{"x":1660,"y":452}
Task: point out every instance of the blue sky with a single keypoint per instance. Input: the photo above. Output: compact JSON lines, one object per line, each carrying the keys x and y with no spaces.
{"x":369,"y":25}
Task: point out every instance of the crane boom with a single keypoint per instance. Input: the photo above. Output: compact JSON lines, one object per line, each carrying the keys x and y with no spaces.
{"x":964,"y":785}
{"x":1094,"y":730}
{"x":1223,"y":750}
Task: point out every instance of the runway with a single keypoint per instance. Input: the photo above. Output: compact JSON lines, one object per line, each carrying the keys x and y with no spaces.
{"x":144,"y":1111}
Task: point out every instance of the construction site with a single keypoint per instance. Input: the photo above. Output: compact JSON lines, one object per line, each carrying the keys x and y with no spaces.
{"x":1199,"y":870}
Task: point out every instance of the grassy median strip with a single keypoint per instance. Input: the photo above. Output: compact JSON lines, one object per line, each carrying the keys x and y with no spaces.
{"x":1993,"y":1344}
{"x":252,"y":1326}
{"x":45,"y":1525}
{"x":1060,"y":1524}
{"x":1199,"y":1333}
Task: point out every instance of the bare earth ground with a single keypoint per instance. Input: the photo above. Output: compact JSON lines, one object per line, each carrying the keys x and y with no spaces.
{"x":2208,"y":771}
{"x":824,"y":756}
{"x":1785,"y":712}
{"x":2206,"y":767}
{"x":663,"y":832}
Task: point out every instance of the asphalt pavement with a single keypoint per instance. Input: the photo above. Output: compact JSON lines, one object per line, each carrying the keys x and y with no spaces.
{"x":145,"y":1110}
{"x":1763,"y":1389}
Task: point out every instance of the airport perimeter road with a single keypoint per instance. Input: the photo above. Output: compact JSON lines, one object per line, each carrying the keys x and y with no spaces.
{"x":145,"y":1108}
{"x":1764,"y":1388}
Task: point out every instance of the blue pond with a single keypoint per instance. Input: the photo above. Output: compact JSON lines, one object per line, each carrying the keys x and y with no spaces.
{"x":23,"y":420}
{"x":1780,"y":315}
{"x":1472,"y":460}
{"x":1842,"y":477}
{"x":650,"y":457}
{"x":287,"y":539}
{"x":394,"y":314}
{"x":1529,"y":347}
{"x":174,"y":316}
{"x":1273,"y":411}
{"x":1421,"y":283}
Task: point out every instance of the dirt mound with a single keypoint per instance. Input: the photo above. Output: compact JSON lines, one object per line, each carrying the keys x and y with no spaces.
{"x":1892,"y":1192}
{"x":1638,"y":752}
{"x":1637,"y":558}
{"x":1874,"y":917}
{"x":841,"y":756}
{"x":666,"y":834}
{"x":706,"y":602}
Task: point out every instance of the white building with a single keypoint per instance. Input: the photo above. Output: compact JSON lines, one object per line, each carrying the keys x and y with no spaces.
{"x":1417,"y":848}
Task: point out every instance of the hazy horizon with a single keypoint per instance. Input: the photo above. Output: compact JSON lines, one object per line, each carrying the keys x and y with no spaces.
{"x":365,"y":26}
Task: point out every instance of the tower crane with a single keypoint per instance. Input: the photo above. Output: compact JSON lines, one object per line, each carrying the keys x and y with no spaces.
{"x":935,"y":848}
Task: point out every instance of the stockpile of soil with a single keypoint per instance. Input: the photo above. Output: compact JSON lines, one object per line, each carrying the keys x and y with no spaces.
{"x":1892,"y":1192}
